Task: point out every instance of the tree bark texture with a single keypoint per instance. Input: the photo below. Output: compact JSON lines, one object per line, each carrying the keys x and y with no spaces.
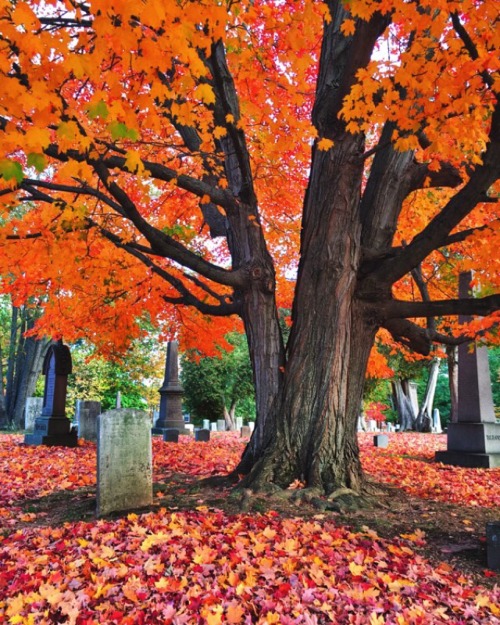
{"x":24,"y":365}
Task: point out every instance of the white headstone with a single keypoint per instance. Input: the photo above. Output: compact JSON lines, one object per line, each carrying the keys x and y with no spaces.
{"x":221,"y":425}
{"x":436,"y":421}
{"x":206,"y":424}
{"x":213,"y":426}
{"x":239,"y":423}
{"x":189,"y":427}
{"x":251,"y":425}
{"x":32,"y":410}
{"x":124,"y":461}
{"x":86,"y":418}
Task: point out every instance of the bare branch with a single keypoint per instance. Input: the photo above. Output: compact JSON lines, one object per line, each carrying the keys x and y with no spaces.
{"x":482,"y":306}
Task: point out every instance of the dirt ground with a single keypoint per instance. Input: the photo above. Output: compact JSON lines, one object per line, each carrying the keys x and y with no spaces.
{"x":453,"y":534}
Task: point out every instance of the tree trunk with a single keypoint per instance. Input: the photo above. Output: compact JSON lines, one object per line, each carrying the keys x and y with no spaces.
{"x":229,"y":416}
{"x":403,"y":404}
{"x":452,"y":358}
{"x":24,"y":365}
{"x":3,"y":412}
{"x":312,"y":433}
{"x":424,"y":417}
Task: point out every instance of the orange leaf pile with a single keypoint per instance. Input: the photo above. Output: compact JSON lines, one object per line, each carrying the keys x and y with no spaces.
{"x":206,"y":567}
{"x":405,"y":463}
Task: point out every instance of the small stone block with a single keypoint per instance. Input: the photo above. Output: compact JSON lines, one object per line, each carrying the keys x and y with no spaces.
{"x":213,"y":426}
{"x":493,"y":545}
{"x":221,"y":425}
{"x":171,"y":435}
{"x":381,"y":440}
{"x":202,"y":436}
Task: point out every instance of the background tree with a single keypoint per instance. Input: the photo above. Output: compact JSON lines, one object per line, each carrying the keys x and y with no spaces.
{"x":142,"y":133}
{"x":137,"y":375}
{"x":21,"y":359}
{"x":219,"y":387}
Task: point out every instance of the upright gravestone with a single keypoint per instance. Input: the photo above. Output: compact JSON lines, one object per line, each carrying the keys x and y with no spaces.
{"x":171,"y":395}
{"x":202,"y":435}
{"x":124,"y":461}
{"x":32,"y":410}
{"x":52,"y":427}
{"x":86,"y":418}
{"x":474,"y":440}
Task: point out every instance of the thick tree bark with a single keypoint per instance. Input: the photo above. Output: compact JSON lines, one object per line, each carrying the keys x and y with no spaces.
{"x":312,"y":435}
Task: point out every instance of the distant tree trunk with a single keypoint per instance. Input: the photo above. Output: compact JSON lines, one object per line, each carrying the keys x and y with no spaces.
{"x":424,"y":418}
{"x":403,"y":404}
{"x":3,"y":412}
{"x":452,"y":357}
{"x":229,"y":416}
{"x":24,"y":365}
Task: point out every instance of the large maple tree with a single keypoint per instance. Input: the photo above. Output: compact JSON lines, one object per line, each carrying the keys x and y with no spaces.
{"x":187,"y":159}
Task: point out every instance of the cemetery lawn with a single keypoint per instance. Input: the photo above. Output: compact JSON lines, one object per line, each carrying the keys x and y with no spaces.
{"x":414,"y":553}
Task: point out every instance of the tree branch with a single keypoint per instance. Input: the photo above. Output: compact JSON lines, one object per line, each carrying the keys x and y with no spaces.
{"x":436,"y":233}
{"x":482,"y":306}
{"x":224,"y":308}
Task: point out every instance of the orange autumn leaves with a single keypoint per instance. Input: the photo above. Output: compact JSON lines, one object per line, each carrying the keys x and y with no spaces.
{"x":33,"y":472}
{"x":205,"y":567}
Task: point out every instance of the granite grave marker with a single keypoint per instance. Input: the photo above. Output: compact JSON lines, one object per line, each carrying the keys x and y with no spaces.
{"x":124,"y":461}
{"x":52,"y":427}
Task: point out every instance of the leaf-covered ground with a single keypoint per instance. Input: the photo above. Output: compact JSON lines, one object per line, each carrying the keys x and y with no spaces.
{"x":196,"y":557}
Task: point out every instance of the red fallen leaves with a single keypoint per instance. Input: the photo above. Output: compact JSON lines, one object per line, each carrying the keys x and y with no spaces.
{"x":31,"y":472}
{"x":205,"y":567}
{"x":209,"y":568}
{"x":405,"y":463}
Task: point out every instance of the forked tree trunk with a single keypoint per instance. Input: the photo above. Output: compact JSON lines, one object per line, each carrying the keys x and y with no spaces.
{"x":404,"y":405}
{"x":314,"y":438}
{"x":312,"y":433}
{"x":424,"y":417}
{"x":229,"y":416}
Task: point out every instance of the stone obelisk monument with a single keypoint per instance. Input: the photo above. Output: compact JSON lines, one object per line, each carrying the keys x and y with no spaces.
{"x":474,"y":441}
{"x":171,"y":392}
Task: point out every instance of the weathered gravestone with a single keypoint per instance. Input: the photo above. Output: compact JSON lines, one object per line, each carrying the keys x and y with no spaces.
{"x":124,"y":461}
{"x":171,"y":394}
{"x":221,"y":425}
{"x":202,"y":435}
{"x":52,"y":427}
{"x":86,"y":418}
{"x":32,"y":410}
{"x":206,"y":424}
{"x":474,"y":441}
{"x":171,"y":435}
{"x":246,"y":431}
